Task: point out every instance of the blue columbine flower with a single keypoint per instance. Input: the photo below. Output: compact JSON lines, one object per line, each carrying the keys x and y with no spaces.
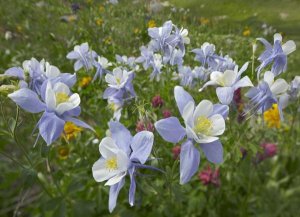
{"x":276,"y":54}
{"x":122,"y":154}
{"x":101,"y":67}
{"x":167,"y":38}
{"x":120,"y":89}
{"x":34,"y":73}
{"x":146,"y":57}
{"x":203,"y":125}
{"x":206,"y":55}
{"x":58,"y":104}
{"x":186,"y":76}
{"x":84,"y":57}
{"x":127,"y":62}
{"x":229,"y":81}
{"x":267,"y":93}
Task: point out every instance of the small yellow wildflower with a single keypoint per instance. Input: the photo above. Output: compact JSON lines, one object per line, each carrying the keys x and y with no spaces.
{"x":101,"y":8}
{"x":99,"y":21}
{"x":246,"y":32}
{"x":71,"y":130}
{"x":19,"y":28}
{"x":89,"y":1}
{"x":272,"y":117}
{"x":151,"y":24}
{"x":85,"y":81}
{"x":136,"y":31}
{"x":204,"y":21}
{"x":107,"y":40}
{"x":63,"y":152}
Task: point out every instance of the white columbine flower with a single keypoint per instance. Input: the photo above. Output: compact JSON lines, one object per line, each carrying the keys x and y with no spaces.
{"x":104,"y":62}
{"x":59,"y":98}
{"x":201,"y":124}
{"x":118,"y":78}
{"x":278,"y":87}
{"x":184,"y":34}
{"x":113,"y":164}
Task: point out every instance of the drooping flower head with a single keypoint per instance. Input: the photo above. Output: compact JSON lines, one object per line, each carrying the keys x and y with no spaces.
{"x":276,"y":54}
{"x":101,"y":67}
{"x":267,"y":93}
{"x":122,"y":154}
{"x":206,"y":55}
{"x":203,"y":124}
{"x":83,"y":56}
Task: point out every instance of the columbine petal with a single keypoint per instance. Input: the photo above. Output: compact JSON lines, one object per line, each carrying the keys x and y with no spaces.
{"x":204,"y":108}
{"x":115,"y":179}
{"x":108,"y":147}
{"x":27,"y":100}
{"x":218,"y":125}
{"x":182,"y":98}
{"x":79,"y":123}
{"x":213,"y":151}
{"x":289,"y":47}
{"x":101,"y":173}
{"x":16,"y":72}
{"x":225,"y":94}
{"x":170,"y":129}
{"x":60,"y":87}
{"x":113,"y":194}
{"x":221,"y":109}
{"x":229,"y":78}
{"x":50,"y":127}
{"x":189,"y":161}
{"x":73,"y":102}
{"x":244,"y":82}
{"x":269,"y":78}
{"x":132,"y":186}
{"x":279,"y":86}
{"x":120,"y":135}
{"x":187,"y":114}
{"x":50,"y":98}
{"x":141,"y":146}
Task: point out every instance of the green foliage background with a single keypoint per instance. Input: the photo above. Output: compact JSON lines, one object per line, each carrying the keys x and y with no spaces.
{"x":37,"y":182}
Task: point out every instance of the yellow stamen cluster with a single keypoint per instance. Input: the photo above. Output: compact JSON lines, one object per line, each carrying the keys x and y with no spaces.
{"x":71,"y":130}
{"x":111,"y":163}
{"x":112,"y":106}
{"x":61,"y":97}
{"x":203,"y":125}
{"x":118,"y":81}
{"x":272,"y":117}
{"x":85,"y":81}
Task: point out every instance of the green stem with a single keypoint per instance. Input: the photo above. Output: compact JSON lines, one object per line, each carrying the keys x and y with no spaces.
{"x":12,"y":159}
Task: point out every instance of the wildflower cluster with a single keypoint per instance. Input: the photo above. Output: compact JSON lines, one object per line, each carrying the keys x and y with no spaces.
{"x":42,"y":88}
